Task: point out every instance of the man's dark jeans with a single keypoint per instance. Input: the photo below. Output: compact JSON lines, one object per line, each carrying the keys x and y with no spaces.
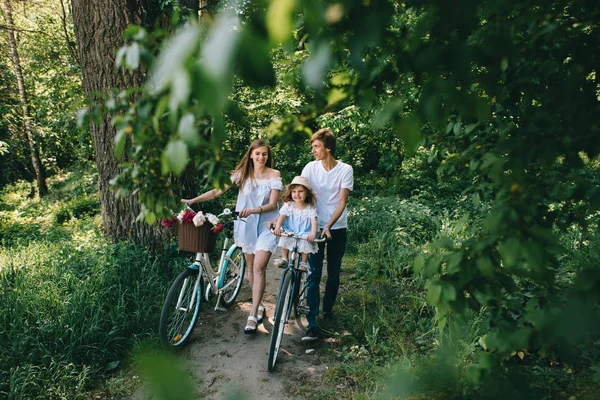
{"x":336,"y":247}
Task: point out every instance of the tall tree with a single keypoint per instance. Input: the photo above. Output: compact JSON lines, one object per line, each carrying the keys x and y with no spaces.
{"x":98,"y":29}
{"x":36,"y":161}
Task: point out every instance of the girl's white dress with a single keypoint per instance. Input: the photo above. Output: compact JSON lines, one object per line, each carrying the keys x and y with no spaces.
{"x":299,"y":222}
{"x":253,"y":235}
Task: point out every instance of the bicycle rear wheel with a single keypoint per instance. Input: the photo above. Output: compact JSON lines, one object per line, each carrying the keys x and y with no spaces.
{"x":233,"y":276}
{"x":300,"y":304}
{"x":282,"y":309}
{"x":180,"y":311}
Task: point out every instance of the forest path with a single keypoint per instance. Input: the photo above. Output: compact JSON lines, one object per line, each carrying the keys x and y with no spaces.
{"x":227,"y":363}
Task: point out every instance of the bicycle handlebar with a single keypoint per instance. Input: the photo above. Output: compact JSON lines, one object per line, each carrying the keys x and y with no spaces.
{"x":226,"y":212}
{"x":291,"y":234}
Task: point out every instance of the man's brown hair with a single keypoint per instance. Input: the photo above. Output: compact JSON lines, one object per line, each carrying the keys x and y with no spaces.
{"x":327,"y":137}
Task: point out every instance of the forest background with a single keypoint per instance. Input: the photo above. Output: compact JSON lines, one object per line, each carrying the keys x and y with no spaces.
{"x":472,"y":128}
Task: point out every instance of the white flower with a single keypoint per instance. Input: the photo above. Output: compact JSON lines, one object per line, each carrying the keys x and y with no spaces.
{"x":199,"y":219}
{"x":180,"y":216}
{"x":212,"y":219}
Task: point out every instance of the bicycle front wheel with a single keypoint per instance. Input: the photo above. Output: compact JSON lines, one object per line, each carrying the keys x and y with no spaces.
{"x":233,"y":276}
{"x":180,"y":311}
{"x":300,"y":304}
{"x":282,"y":309}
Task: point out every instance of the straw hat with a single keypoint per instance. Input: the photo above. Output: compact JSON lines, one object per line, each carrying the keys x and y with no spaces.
{"x":301,"y":180}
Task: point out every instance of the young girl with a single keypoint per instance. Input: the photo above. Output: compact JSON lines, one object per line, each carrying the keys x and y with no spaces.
{"x":298,"y":214}
{"x":259,"y":185}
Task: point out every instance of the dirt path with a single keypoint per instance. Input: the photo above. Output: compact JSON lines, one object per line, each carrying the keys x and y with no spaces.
{"x":224,"y":360}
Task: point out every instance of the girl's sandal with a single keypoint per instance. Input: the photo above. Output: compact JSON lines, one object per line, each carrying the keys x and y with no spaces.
{"x":249,"y":329}
{"x":260,"y":315}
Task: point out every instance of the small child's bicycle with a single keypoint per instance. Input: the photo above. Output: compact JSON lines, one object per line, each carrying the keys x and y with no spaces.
{"x":291,"y":295}
{"x":182,"y":305}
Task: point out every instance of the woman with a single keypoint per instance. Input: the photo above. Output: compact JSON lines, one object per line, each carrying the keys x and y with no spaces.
{"x":259,"y":185}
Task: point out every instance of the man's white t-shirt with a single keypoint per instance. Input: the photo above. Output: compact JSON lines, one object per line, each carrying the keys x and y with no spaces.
{"x":327,"y":186}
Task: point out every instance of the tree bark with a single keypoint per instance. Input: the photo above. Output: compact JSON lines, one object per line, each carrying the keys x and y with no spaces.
{"x":98,"y":28}
{"x":36,"y":161}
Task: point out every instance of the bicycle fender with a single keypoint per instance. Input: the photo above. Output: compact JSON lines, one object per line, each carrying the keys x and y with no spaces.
{"x":194,"y":267}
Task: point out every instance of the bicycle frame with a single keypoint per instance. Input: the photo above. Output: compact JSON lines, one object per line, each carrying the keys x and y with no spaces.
{"x":203,"y":261}
{"x":293,"y":269}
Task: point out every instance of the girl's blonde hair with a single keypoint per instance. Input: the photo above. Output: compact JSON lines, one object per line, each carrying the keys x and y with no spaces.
{"x":245,"y":168}
{"x":310,"y":195}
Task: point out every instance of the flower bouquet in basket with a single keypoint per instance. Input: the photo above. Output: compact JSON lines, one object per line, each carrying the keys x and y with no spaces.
{"x":196,"y":231}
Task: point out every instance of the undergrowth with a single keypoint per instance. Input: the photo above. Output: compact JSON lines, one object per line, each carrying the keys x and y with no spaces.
{"x":73,"y":305}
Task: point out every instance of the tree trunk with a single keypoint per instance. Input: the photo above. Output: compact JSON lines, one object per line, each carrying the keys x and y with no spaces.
{"x":193,"y":6}
{"x":38,"y":167}
{"x":98,"y":28}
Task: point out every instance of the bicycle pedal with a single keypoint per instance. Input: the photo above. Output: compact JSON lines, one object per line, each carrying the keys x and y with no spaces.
{"x":220,"y":309}
{"x":303,"y":310}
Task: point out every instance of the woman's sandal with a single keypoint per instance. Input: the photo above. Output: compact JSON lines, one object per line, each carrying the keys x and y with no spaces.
{"x":260,"y":315}
{"x":249,"y":329}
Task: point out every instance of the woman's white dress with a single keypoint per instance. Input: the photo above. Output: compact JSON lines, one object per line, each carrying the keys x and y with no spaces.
{"x":253,"y":235}
{"x":299,"y":222}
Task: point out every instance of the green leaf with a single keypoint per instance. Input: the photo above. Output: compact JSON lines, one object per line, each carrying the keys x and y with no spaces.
{"x":434,"y":291}
{"x":82,"y":117}
{"x":432,"y":266}
{"x":409,"y":129}
{"x":177,"y":156}
{"x":453,"y":263}
{"x":180,"y":89}
{"x":219,"y":47}
{"x":150,"y":218}
{"x":120,"y":56}
{"x":485,"y":266}
{"x":173,"y":57}
{"x":279,"y":20}
{"x":133,"y":56}
{"x":387,"y":113}
{"x":418,"y":263}
{"x":120,"y":140}
{"x":187,"y":129}
{"x":316,"y":65}
{"x":448,"y":293}
{"x":509,"y":251}
{"x":596,"y":369}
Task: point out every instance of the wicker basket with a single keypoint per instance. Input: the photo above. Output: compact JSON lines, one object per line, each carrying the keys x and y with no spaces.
{"x":196,"y":239}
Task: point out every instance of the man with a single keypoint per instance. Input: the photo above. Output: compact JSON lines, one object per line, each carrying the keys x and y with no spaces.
{"x":332,"y":181}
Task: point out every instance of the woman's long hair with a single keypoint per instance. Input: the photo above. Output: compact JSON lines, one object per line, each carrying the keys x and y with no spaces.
{"x":245,"y":169}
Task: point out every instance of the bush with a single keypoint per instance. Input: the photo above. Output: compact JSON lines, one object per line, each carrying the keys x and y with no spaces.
{"x":85,"y":207}
{"x":410,"y":222}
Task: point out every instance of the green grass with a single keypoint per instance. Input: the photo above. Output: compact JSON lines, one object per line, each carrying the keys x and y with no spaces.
{"x":73,"y":305}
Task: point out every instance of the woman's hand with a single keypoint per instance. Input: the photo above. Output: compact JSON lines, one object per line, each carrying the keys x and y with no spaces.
{"x":186,"y":201}
{"x":246,"y":212}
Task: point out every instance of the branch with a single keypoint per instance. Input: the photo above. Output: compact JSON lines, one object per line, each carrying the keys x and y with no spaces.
{"x":15,"y":29}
